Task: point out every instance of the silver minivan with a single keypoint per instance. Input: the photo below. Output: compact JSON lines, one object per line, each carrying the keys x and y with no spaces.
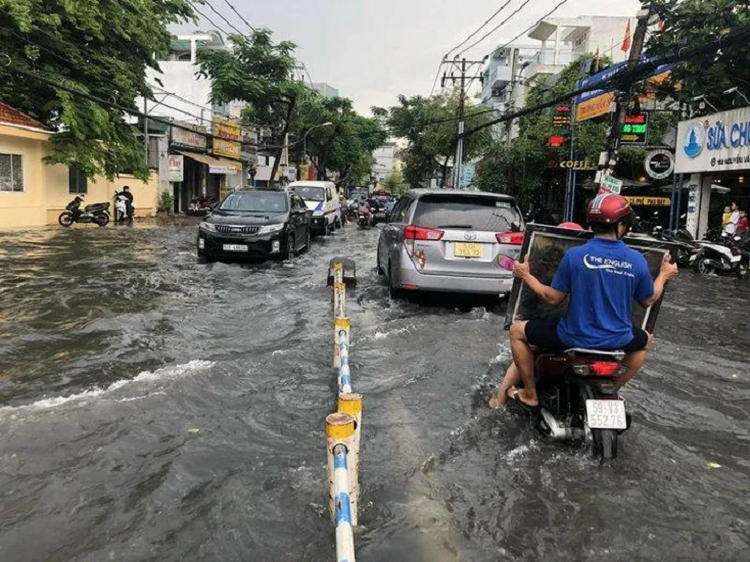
{"x":451,"y":241}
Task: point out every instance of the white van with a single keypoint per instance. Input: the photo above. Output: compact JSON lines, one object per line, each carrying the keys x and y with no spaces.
{"x":321,"y":198}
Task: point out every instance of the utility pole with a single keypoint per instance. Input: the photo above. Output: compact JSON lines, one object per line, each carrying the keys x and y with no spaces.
{"x":462,"y":66}
{"x":622,"y":99}
{"x":145,"y":128}
{"x":516,"y":54}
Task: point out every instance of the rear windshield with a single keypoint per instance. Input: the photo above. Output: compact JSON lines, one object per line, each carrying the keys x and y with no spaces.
{"x":310,"y":193}
{"x":255,"y":201}
{"x":467,"y":212}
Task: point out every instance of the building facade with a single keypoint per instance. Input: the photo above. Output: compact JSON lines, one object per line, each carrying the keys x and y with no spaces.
{"x":385,"y":161}
{"x":33,"y":193}
{"x":325,"y":90}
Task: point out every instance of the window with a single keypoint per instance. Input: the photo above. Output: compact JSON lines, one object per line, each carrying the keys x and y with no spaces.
{"x":11,"y":172}
{"x":471,"y":212}
{"x":77,"y":182}
{"x":398,"y":214}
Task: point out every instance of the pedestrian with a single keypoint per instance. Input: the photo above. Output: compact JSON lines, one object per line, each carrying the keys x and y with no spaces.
{"x":726,"y":216}
{"x":743,"y":225}
{"x":730,"y":227}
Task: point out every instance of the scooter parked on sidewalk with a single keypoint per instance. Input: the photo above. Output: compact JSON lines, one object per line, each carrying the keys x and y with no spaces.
{"x":97,"y":213}
{"x":720,"y":258}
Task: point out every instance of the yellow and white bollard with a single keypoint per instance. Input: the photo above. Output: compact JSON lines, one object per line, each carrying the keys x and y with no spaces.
{"x":352,"y":404}
{"x":339,"y":433}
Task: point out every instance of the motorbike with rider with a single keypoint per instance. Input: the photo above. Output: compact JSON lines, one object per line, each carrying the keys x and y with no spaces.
{"x":563,"y":366}
{"x":124,"y":197}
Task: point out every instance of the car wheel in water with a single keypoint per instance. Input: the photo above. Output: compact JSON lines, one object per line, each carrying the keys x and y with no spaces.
{"x":393,"y":289}
{"x":65,"y":219}
{"x":203,"y":259}
{"x":288,"y":252}
{"x":377,"y":264}
{"x":308,"y":240}
{"x":337,"y":223}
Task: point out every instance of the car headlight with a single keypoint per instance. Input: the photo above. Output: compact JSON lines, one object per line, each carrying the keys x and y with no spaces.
{"x":318,"y":214}
{"x":271,"y":228}
{"x":207,"y":226}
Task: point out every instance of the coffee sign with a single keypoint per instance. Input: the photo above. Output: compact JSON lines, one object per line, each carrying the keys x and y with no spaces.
{"x":659,"y":164}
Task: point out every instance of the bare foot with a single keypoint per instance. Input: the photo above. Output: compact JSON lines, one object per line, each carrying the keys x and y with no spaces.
{"x":521,"y":396}
{"x":499,"y":399}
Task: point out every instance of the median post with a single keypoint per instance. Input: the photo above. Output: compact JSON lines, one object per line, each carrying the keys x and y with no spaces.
{"x":352,"y":404}
{"x":339,"y":434}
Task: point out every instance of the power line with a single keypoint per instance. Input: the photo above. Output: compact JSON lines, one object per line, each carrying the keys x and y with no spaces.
{"x":209,"y":20}
{"x":639,"y":72}
{"x":229,"y":23}
{"x":498,"y":26}
{"x":479,"y":28}
{"x":533,"y":25}
{"x":247,"y":23}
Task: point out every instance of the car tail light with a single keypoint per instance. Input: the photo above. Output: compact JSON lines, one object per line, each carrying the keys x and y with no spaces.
{"x":413,"y":232}
{"x":605,"y":368}
{"x":514,"y":238}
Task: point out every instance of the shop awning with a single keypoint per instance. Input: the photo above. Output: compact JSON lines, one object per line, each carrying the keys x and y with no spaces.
{"x":216,"y":165}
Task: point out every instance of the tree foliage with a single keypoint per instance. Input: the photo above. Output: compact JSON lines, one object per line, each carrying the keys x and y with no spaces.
{"x":102,"y":48}
{"x":430,"y":127}
{"x":395,"y":183}
{"x":689,"y":23}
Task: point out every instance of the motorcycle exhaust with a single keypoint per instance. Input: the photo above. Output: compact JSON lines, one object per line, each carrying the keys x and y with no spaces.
{"x":557,"y":430}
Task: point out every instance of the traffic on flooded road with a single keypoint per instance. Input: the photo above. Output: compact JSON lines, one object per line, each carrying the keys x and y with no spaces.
{"x":155,"y":408}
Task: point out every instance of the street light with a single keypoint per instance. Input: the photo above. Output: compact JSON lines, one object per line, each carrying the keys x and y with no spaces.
{"x":310,"y":130}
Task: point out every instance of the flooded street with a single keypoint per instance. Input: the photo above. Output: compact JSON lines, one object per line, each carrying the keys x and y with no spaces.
{"x":155,"y":409}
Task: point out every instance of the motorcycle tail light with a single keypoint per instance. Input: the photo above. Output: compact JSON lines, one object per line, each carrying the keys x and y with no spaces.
{"x":605,"y":368}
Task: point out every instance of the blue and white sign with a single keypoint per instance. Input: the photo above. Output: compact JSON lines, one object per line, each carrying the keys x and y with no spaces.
{"x":714,"y":143}
{"x":608,"y":73}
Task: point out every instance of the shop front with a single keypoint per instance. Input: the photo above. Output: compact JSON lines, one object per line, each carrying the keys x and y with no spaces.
{"x":188,"y":173}
{"x":713,"y":163}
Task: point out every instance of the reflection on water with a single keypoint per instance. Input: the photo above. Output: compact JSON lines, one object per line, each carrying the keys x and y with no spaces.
{"x":155,"y":409}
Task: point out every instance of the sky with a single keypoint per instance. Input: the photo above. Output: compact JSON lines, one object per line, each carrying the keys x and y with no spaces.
{"x":374,"y":50}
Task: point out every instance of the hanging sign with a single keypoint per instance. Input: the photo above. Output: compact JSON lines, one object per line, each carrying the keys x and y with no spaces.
{"x":612,"y":183}
{"x":176,"y":168}
{"x":187,"y":136}
{"x":556,"y":141}
{"x":634,"y":129}
{"x":659,"y":164}
{"x":227,"y":137}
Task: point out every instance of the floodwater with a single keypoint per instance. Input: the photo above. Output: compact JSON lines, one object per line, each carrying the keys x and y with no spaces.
{"x":154,"y":409}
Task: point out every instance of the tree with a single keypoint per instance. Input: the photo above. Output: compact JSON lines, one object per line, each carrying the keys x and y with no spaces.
{"x":346,"y":145}
{"x":100,"y":48}
{"x":521,"y":169}
{"x":257,"y":71}
{"x":395,"y":183}
{"x":430,"y":127}
{"x":689,"y":23}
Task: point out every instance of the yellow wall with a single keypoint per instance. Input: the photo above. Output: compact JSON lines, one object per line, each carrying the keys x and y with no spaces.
{"x":46,"y":191}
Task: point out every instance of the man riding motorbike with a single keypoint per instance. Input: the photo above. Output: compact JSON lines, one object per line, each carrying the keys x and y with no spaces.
{"x":602,"y":277}
{"x":128,"y":200}
{"x":75,"y":206}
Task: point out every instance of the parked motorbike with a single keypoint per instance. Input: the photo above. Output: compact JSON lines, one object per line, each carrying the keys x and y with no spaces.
{"x":578,"y":398}
{"x":364,"y":219}
{"x":722,"y":258}
{"x":97,"y":213}
{"x":682,"y":249}
{"x":200,"y":205}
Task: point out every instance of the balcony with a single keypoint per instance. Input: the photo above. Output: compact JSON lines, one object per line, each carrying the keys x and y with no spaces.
{"x":548,"y":62}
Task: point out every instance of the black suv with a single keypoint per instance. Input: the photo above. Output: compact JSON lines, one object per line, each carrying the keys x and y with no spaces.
{"x":255,"y":223}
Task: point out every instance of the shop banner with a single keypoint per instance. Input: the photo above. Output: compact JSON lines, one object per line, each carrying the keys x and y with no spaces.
{"x":189,"y":137}
{"x":649,"y":201}
{"x":226,"y":141}
{"x":594,"y":107}
{"x":176,"y":168}
{"x":715,"y":143}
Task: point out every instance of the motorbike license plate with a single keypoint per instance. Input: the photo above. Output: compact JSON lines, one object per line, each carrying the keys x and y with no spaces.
{"x":464,"y":250}
{"x":606,"y":414}
{"x":735,"y":259}
{"x":235,"y":248}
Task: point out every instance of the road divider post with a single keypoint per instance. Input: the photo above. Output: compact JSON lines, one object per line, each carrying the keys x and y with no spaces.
{"x":352,"y":404}
{"x":340,"y":428}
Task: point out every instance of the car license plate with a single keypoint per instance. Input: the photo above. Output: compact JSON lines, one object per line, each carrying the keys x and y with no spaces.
{"x":735,"y":259}
{"x":463,"y":250}
{"x":235,"y":248}
{"x":606,"y":414}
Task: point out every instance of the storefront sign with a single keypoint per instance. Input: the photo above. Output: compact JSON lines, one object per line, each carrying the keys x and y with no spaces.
{"x":574,"y":164}
{"x":715,"y":143}
{"x":659,"y":164}
{"x":634,"y":129}
{"x":612,"y":183}
{"x":222,"y":170}
{"x":595,"y":107}
{"x":556,"y":141}
{"x":176,"y":168}
{"x":649,"y":201}
{"x":226,"y":139}
{"x":189,"y":137}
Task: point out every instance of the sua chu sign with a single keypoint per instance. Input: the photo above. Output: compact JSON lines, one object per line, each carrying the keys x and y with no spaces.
{"x":713,"y":143}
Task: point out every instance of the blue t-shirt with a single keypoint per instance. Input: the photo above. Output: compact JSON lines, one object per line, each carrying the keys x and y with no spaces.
{"x":603,"y":278}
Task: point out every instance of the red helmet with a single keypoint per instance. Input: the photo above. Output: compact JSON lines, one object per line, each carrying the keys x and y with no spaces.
{"x":608,"y":208}
{"x":570,"y":225}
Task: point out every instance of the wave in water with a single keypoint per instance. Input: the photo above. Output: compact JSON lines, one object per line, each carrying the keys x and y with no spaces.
{"x":159,"y":375}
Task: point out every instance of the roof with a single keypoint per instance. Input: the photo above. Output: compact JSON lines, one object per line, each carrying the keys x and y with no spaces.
{"x":11,"y":116}
{"x":460,"y":192}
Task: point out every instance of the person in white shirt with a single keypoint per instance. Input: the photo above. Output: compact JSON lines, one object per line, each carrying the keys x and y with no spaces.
{"x":731,"y":227}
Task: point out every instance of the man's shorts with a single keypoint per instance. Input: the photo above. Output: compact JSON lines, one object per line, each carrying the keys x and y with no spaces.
{"x":543,"y":333}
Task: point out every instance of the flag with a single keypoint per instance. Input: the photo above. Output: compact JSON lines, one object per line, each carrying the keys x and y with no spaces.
{"x":627,"y":41}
